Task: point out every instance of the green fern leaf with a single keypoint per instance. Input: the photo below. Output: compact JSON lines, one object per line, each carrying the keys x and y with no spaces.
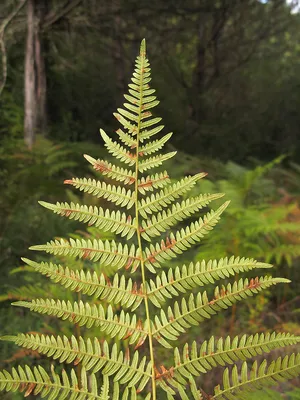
{"x":109,"y":221}
{"x":107,"y":253}
{"x":112,"y":171}
{"x":156,"y":202}
{"x":154,"y":146}
{"x":117,"y":290}
{"x":195,"y":392}
{"x":93,"y":356}
{"x":124,"y":325}
{"x":199,"y":308}
{"x":226,"y":351}
{"x":150,"y":122}
{"x":127,"y":139}
{"x":117,"y":150}
{"x":261,"y":375}
{"x":151,"y":182}
{"x":163,"y":221}
{"x":156,"y":161}
{"x":183,"y":279}
{"x":37,"y":381}
{"x":128,"y":115}
{"x":116,"y":194}
{"x":184,"y":239}
{"x":132,"y":128}
{"x":147,"y":134}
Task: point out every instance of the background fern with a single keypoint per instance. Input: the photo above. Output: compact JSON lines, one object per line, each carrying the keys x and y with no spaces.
{"x":159,"y":305}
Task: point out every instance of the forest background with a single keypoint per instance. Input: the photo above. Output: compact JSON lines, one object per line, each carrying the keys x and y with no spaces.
{"x":227,"y":73}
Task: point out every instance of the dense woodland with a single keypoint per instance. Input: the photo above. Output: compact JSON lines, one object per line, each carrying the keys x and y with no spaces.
{"x":227,"y":73}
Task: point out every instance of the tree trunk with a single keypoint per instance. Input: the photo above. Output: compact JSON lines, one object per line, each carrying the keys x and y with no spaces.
{"x":41,"y":81}
{"x":29,"y":80}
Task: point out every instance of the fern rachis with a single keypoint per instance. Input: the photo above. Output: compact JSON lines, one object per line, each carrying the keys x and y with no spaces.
{"x":150,"y":208}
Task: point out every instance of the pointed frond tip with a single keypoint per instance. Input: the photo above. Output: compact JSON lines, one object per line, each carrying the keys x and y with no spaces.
{"x":117,"y":290}
{"x":92,"y":355}
{"x":143,"y":48}
{"x":260,"y":375}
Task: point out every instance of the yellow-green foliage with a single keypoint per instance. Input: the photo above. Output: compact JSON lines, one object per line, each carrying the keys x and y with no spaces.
{"x":158,"y":304}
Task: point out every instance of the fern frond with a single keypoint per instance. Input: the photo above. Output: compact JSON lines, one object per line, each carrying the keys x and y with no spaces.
{"x":154,"y":146}
{"x":135,"y":98}
{"x":156,"y":213}
{"x":147,"y":99}
{"x":116,"y":194}
{"x":182,"y":240}
{"x":183,"y":279}
{"x":156,"y":202}
{"x":117,"y":290}
{"x":117,"y":150}
{"x":164,"y":220}
{"x":128,"y":115}
{"x":147,"y":134}
{"x":150,"y":122}
{"x":238,"y":383}
{"x":199,"y":308}
{"x":106,"y":252}
{"x":127,"y":139}
{"x":153,"y":162}
{"x":132,"y":106}
{"x":149,"y":103}
{"x":92,"y":355}
{"x":123,"y":325}
{"x":37,"y":381}
{"x":112,"y":171}
{"x":112,"y":221}
{"x":150,"y":182}
{"x":226,"y":351}
{"x":132,"y":128}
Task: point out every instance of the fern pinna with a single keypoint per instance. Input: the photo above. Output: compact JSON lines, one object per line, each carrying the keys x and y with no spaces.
{"x":146,"y":304}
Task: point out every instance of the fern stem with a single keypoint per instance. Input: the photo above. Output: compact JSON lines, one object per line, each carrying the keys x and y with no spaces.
{"x":78,"y":334}
{"x":142,"y":262}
